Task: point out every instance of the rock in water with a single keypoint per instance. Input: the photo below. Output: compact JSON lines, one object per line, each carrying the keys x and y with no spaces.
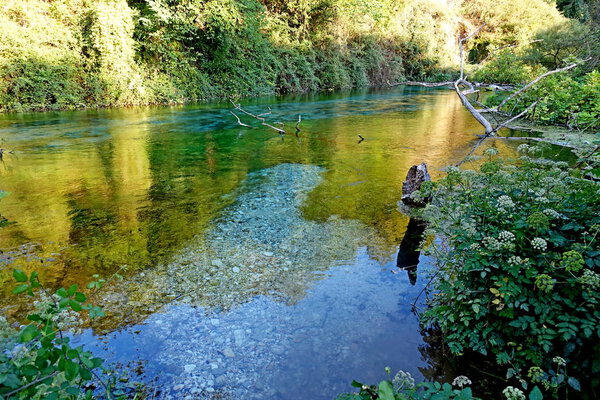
{"x":417,"y":174}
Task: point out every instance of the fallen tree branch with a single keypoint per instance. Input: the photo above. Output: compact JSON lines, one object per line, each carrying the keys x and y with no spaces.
{"x":425,"y":84}
{"x":298,"y":124}
{"x":465,"y":101}
{"x":516,"y":117}
{"x":535,"y":139}
{"x":239,"y":121}
{"x":258,"y":117}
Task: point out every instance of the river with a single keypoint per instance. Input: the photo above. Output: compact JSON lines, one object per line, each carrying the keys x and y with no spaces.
{"x":256,"y":265}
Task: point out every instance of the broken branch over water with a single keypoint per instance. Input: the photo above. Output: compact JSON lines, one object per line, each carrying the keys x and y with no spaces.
{"x":259,"y":117}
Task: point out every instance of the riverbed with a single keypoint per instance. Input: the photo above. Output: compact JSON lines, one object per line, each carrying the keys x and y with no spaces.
{"x":255,"y":265}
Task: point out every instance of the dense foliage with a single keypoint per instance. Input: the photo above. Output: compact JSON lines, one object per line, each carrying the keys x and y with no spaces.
{"x":73,"y":53}
{"x":37,"y":359}
{"x":403,"y":387}
{"x":518,"y":263}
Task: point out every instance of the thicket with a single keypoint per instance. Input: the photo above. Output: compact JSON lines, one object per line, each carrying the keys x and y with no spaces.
{"x":518,"y":261}
{"x":73,"y":53}
{"x":38,"y":359}
{"x":571,"y":98}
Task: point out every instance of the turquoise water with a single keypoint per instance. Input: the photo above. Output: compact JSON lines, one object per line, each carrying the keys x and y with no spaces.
{"x":255,"y":264}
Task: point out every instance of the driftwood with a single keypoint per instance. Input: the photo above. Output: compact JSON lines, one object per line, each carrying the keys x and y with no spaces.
{"x":259,"y":117}
{"x":534,"y":139}
{"x":425,"y":84}
{"x":536,"y":80}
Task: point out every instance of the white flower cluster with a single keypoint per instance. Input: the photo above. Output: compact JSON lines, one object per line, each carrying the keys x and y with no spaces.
{"x":491,"y":151}
{"x":403,"y":380}
{"x":512,"y":393}
{"x":523,"y":148}
{"x":506,"y":237}
{"x":451,"y":169}
{"x":590,"y":279}
{"x":542,"y":199}
{"x":475,"y":246}
{"x":516,"y":260}
{"x":491,"y":243}
{"x":539,"y":244}
{"x":461,"y":381}
{"x":505,"y":202}
{"x":552,"y":213}
{"x":559,"y":361}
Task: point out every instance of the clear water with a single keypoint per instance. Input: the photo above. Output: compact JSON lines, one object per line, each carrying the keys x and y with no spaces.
{"x":256,"y":265}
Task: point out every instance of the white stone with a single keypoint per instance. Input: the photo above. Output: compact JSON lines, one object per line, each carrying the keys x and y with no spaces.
{"x":189,"y":367}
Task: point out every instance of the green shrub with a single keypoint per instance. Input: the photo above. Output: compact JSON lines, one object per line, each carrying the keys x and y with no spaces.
{"x":403,"y":387}
{"x":518,"y":259}
{"x":561,"y":100}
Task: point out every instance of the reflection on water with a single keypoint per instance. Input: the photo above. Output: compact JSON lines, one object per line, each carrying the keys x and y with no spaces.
{"x":258,"y":265}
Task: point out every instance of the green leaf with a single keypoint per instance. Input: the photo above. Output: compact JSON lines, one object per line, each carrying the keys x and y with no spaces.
{"x":28,"y":334}
{"x":29,"y":370}
{"x":386,"y":390}
{"x":73,"y":391}
{"x":20,"y":288}
{"x":62,"y":292}
{"x":357,"y":384}
{"x":75,"y":305}
{"x":574,"y":383}
{"x":19,"y":275}
{"x":85,"y":374}
{"x":80,"y":297}
{"x":536,"y":394}
{"x":72,"y":353}
{"x":72,"y":289}
{"x":12,"y":381}
{"x":97,"y":362}
{"x":71,"y":370}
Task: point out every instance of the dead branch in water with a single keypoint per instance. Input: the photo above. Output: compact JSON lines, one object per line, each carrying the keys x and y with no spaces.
{"x":535,"y":139}
{"x":516,"y":117}
{"x":259,"y":117}
{"x":298,"y":125}
{"x":239,"y":121}
{"x":425,"y":84}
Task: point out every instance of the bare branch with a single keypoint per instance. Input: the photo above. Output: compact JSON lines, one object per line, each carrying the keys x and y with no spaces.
{"x":267,"y":113}
{"x":516,"y":117}
{"x":536,"y":80}
{"x":258,"y":117}
{"x":239,"y":121}
{"x":535,"y":139}
{"x":425,"y":84}
{"x":298,"y":124}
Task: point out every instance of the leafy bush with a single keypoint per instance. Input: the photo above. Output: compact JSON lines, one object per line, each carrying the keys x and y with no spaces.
{"x":518,"y":259}
{"x":505,"y":67}
{"x":37,"y":360}
{"x":402,"y":387}
{"x":561,"y":100}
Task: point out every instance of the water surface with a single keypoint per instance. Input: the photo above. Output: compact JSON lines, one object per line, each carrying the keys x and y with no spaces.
{"x":256,"y":265}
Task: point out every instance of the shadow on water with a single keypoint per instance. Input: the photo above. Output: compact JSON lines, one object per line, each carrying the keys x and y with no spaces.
{"x":257,"y":264}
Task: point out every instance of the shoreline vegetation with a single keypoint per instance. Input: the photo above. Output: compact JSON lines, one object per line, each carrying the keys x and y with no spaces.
{"x":516,"y":286}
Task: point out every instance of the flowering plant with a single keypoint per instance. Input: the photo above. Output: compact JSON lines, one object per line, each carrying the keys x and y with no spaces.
{"x":518,"y":260}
